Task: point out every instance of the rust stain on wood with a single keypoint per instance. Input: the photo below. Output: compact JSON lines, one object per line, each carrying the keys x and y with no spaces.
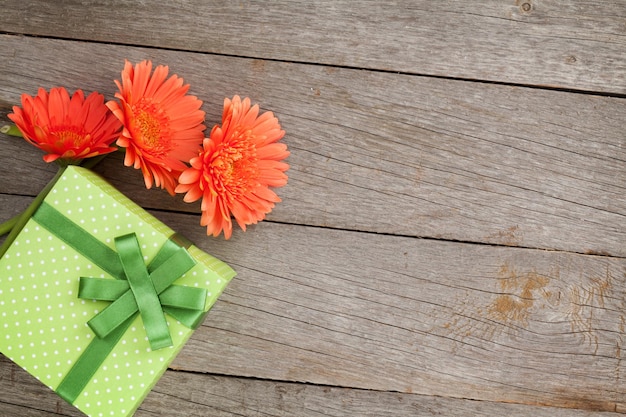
{"x":567,"y":400}
{"x":521,"y":290}
{"x":584,"y":299}
{"x":258,"y":65}
{"x":597,"y":252}
{"x":525,"y":296}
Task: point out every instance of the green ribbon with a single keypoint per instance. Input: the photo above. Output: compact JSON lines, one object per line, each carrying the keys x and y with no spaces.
{"x":149,"y":293}
{"x":136,"y":289}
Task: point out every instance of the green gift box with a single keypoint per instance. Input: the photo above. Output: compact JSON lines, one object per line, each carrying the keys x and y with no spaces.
{"x":97,"y":296}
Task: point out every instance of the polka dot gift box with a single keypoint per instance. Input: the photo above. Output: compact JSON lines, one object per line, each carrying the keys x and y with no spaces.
{"x":97,"y":296}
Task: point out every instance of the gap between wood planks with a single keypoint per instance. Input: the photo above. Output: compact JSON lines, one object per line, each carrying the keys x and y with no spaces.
{"x":214,"y":393}
{"x":468,"y":193}
{"x":590,"y":407}
{"x":335,"y":66}
{"x":469,"y":242}
{"x":426,"y":238}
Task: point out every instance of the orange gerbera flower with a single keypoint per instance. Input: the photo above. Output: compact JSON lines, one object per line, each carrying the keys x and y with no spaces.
{"x":163,"y":126}
{"x":69,"y":129}
{"x":239,"y":162}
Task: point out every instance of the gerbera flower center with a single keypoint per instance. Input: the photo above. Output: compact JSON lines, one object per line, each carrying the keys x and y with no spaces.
{"x":71,"y":137}
{"x":234,"y":166}
{"x":151,"y":127}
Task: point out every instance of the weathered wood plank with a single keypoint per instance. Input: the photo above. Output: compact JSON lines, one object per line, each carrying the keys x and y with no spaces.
{"x":387,"y":313}
{"x":188,"y":394}
{"x":389,"y":325}
{"x":410,"y":315}
{"x":382,"y":152}
{"x":8,"y":409}
{"x":566,"y":43}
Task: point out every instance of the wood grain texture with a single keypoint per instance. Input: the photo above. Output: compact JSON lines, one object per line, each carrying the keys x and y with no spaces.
{"x":451,"y":240}
{"x":558,"y":43}
{"x":182,"y":394}
{"x":385,"y":153}
{"x":385,"y":313}
{"x":400,"y":314}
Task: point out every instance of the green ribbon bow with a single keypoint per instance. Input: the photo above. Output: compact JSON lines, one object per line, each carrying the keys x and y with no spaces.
{"x":149,"y":293}
{"x":136,"y":289}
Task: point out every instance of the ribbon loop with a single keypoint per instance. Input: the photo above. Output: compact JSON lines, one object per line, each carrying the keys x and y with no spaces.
{"x":150,"y":294}
{"x":114,"y":315}
{"x":102,"y":289}
{"x":143,"y":289}
{"x":184,"y":297}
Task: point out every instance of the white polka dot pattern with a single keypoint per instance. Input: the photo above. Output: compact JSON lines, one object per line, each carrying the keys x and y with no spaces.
{"x":43,"y":322}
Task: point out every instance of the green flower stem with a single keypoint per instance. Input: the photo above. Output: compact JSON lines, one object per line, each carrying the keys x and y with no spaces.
{"x":7,"y":226}
{"x":11,"y":130}
{"x":23,"y":218}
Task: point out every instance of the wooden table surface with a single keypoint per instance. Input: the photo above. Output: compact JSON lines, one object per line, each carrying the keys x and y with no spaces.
{"x":452,"y":239}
